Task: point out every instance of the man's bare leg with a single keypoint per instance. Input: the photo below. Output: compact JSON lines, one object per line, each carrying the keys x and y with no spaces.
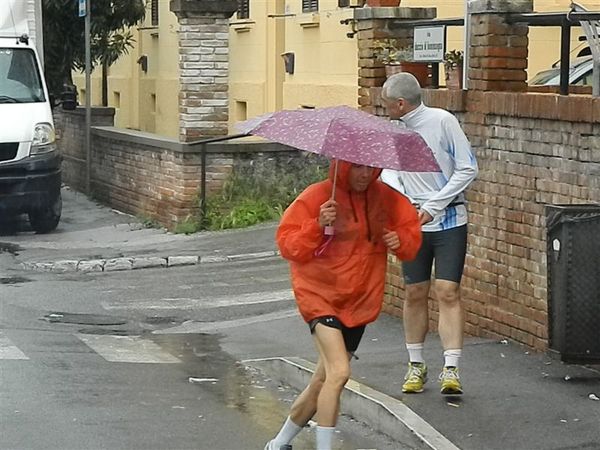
{"x":305,"y":405}
{"x":416,"y":313}
{"x":332,"y":352}
{"x":452,"y":320}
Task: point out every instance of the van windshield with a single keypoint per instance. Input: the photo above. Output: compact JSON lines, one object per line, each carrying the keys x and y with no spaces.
{"x":20,"y":80}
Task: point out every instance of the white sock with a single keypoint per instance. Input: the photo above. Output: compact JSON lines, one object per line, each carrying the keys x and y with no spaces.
{"x":415,"y":352}
{"x":324,"y":437}
{"x":288,"y":431}
{"x":451,"y":357}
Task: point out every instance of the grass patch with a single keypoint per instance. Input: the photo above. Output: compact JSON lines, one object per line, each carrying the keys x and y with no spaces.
{"x":250,"y":199}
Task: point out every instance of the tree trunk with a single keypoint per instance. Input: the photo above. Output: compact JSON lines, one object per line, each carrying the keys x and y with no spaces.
{"x":104,"y":84}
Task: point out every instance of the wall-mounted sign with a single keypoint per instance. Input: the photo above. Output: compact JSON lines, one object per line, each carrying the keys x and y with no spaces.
{"x":430,"y":43}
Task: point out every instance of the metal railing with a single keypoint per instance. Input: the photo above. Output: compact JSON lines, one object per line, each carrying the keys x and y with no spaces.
{"x":202,"y":144}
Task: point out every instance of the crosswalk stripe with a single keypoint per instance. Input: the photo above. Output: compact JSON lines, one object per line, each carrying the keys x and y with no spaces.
{"x":253,"y":298}
{"x":212,"y":327}
{"x":8,"y":350}
{"x":129,"y":349}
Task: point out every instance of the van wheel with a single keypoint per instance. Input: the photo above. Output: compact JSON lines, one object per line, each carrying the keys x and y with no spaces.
{"x":46,"y":219}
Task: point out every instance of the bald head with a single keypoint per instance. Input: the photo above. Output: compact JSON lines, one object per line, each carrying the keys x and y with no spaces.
{"x":402,"y":85}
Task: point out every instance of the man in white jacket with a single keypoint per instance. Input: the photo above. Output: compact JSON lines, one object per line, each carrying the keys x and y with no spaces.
{"x":441,"y":203}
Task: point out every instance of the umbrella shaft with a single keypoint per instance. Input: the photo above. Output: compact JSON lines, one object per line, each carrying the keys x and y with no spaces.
{"x":335,"y":170}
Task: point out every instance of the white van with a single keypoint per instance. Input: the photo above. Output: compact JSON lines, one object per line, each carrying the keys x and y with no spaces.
{"x":30,"y":165}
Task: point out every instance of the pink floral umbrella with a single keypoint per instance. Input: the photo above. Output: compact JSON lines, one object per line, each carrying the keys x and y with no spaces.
{"x":345,"y":133}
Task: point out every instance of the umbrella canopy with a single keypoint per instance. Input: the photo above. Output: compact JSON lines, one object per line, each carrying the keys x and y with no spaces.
{"x":345,"y":133}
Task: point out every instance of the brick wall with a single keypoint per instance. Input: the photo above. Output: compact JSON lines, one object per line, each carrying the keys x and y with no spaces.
{"x":204,"y":63}
{"x":203,"y":66}
{"x":70,"y":135}
{"x":155,"y":177}
{"x":533,"y":150}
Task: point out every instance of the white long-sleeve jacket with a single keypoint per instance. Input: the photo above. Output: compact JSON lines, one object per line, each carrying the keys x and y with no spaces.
{"x":440,"y":194}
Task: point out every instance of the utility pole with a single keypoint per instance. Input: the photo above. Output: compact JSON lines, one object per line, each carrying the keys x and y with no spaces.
{"x":85,"y":9}
{"x":467,"y":49}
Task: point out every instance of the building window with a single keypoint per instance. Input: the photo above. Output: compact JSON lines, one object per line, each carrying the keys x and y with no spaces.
{"x":310,"y":5}
{"x":154,"y":13}
{"x":243,"y":11}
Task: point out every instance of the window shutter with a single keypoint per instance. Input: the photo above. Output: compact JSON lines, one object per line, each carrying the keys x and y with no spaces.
{"x":310,"y":5}
{"x":154,"y":13}
{"x":243,"y":11}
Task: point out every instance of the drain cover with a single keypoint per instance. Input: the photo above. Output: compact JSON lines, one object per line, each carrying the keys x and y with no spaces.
{"x":84,"y":319}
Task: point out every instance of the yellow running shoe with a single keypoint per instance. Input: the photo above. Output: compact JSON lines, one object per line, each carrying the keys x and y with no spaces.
{"x":450,"y":381}
{"x":415,"y":378}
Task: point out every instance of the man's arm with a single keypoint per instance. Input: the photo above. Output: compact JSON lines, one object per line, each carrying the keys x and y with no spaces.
{"x":465,"y":167}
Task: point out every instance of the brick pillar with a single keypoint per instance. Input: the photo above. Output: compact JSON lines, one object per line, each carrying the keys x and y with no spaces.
{"x":374,"y":24}
{"x":203,"y":66}
{"x":499,"y":52}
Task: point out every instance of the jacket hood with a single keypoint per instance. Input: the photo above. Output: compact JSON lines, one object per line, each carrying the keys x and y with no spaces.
{"x":343,"y":174}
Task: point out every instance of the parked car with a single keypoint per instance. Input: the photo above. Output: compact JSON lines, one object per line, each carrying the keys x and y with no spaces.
{"x":580,"y":73}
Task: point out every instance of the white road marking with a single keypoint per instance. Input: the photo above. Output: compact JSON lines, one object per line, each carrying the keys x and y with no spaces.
{"x":253,"y":298}
{"x":129,"y":349}
{"x":213,"y":327}
{"x":8,"y":350}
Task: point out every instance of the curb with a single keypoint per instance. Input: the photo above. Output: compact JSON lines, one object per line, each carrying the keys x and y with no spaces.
{"x":381,"y":412}
{"x":134,"y":263}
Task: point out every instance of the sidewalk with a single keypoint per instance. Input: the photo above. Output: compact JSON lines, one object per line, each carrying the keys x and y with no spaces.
{"x":94,"y":238}
{"x":514,"y":398}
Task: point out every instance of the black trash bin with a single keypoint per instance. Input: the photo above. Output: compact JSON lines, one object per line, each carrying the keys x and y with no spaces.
{"x":573,"y":234}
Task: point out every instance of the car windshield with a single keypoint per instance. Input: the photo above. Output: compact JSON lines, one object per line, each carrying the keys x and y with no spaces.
{"x":20,"y":80}
{"x":546,"y":77}
{"x":580,"y":73}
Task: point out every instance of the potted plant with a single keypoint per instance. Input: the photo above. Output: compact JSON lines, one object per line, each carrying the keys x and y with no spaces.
{"x":453,"y":66}
{"x":397,"y":58}
{"x":383,"y":3}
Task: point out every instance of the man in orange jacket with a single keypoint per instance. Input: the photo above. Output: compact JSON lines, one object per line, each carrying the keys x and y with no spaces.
{"x":338,"y":280}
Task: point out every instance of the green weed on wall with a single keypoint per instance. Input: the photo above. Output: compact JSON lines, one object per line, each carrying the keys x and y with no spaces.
{"x":256,"y":193}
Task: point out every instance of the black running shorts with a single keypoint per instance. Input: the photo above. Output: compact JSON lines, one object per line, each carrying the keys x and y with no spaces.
{"x":352,"y":336}
{"x":447,"y":248}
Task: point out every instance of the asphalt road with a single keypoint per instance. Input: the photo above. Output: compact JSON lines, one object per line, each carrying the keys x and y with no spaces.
{"x":96,"y":361}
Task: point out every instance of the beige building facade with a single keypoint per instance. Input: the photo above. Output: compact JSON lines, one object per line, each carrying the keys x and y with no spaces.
{"x":143,"y":86}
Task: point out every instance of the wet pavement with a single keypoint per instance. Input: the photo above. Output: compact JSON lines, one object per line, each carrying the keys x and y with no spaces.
{"x":514,"y":397}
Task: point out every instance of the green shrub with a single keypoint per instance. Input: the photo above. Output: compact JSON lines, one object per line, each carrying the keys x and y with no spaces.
{"x":251,"y":198}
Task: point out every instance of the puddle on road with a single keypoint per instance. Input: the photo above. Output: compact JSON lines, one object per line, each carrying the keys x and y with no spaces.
{"x":249,"y":391}
{"x":7,"y":247}
{"x":14,"y":280}
{"x":107,"y":332}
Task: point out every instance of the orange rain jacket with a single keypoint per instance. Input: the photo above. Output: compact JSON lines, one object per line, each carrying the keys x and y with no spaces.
{"x":348,"y":279}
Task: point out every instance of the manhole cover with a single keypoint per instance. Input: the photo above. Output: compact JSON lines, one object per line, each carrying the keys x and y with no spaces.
{"x":84,"y":319}
{"x":14,"y":280}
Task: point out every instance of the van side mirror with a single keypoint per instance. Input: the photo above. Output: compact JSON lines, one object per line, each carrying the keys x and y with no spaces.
{"x":52,"y":99}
